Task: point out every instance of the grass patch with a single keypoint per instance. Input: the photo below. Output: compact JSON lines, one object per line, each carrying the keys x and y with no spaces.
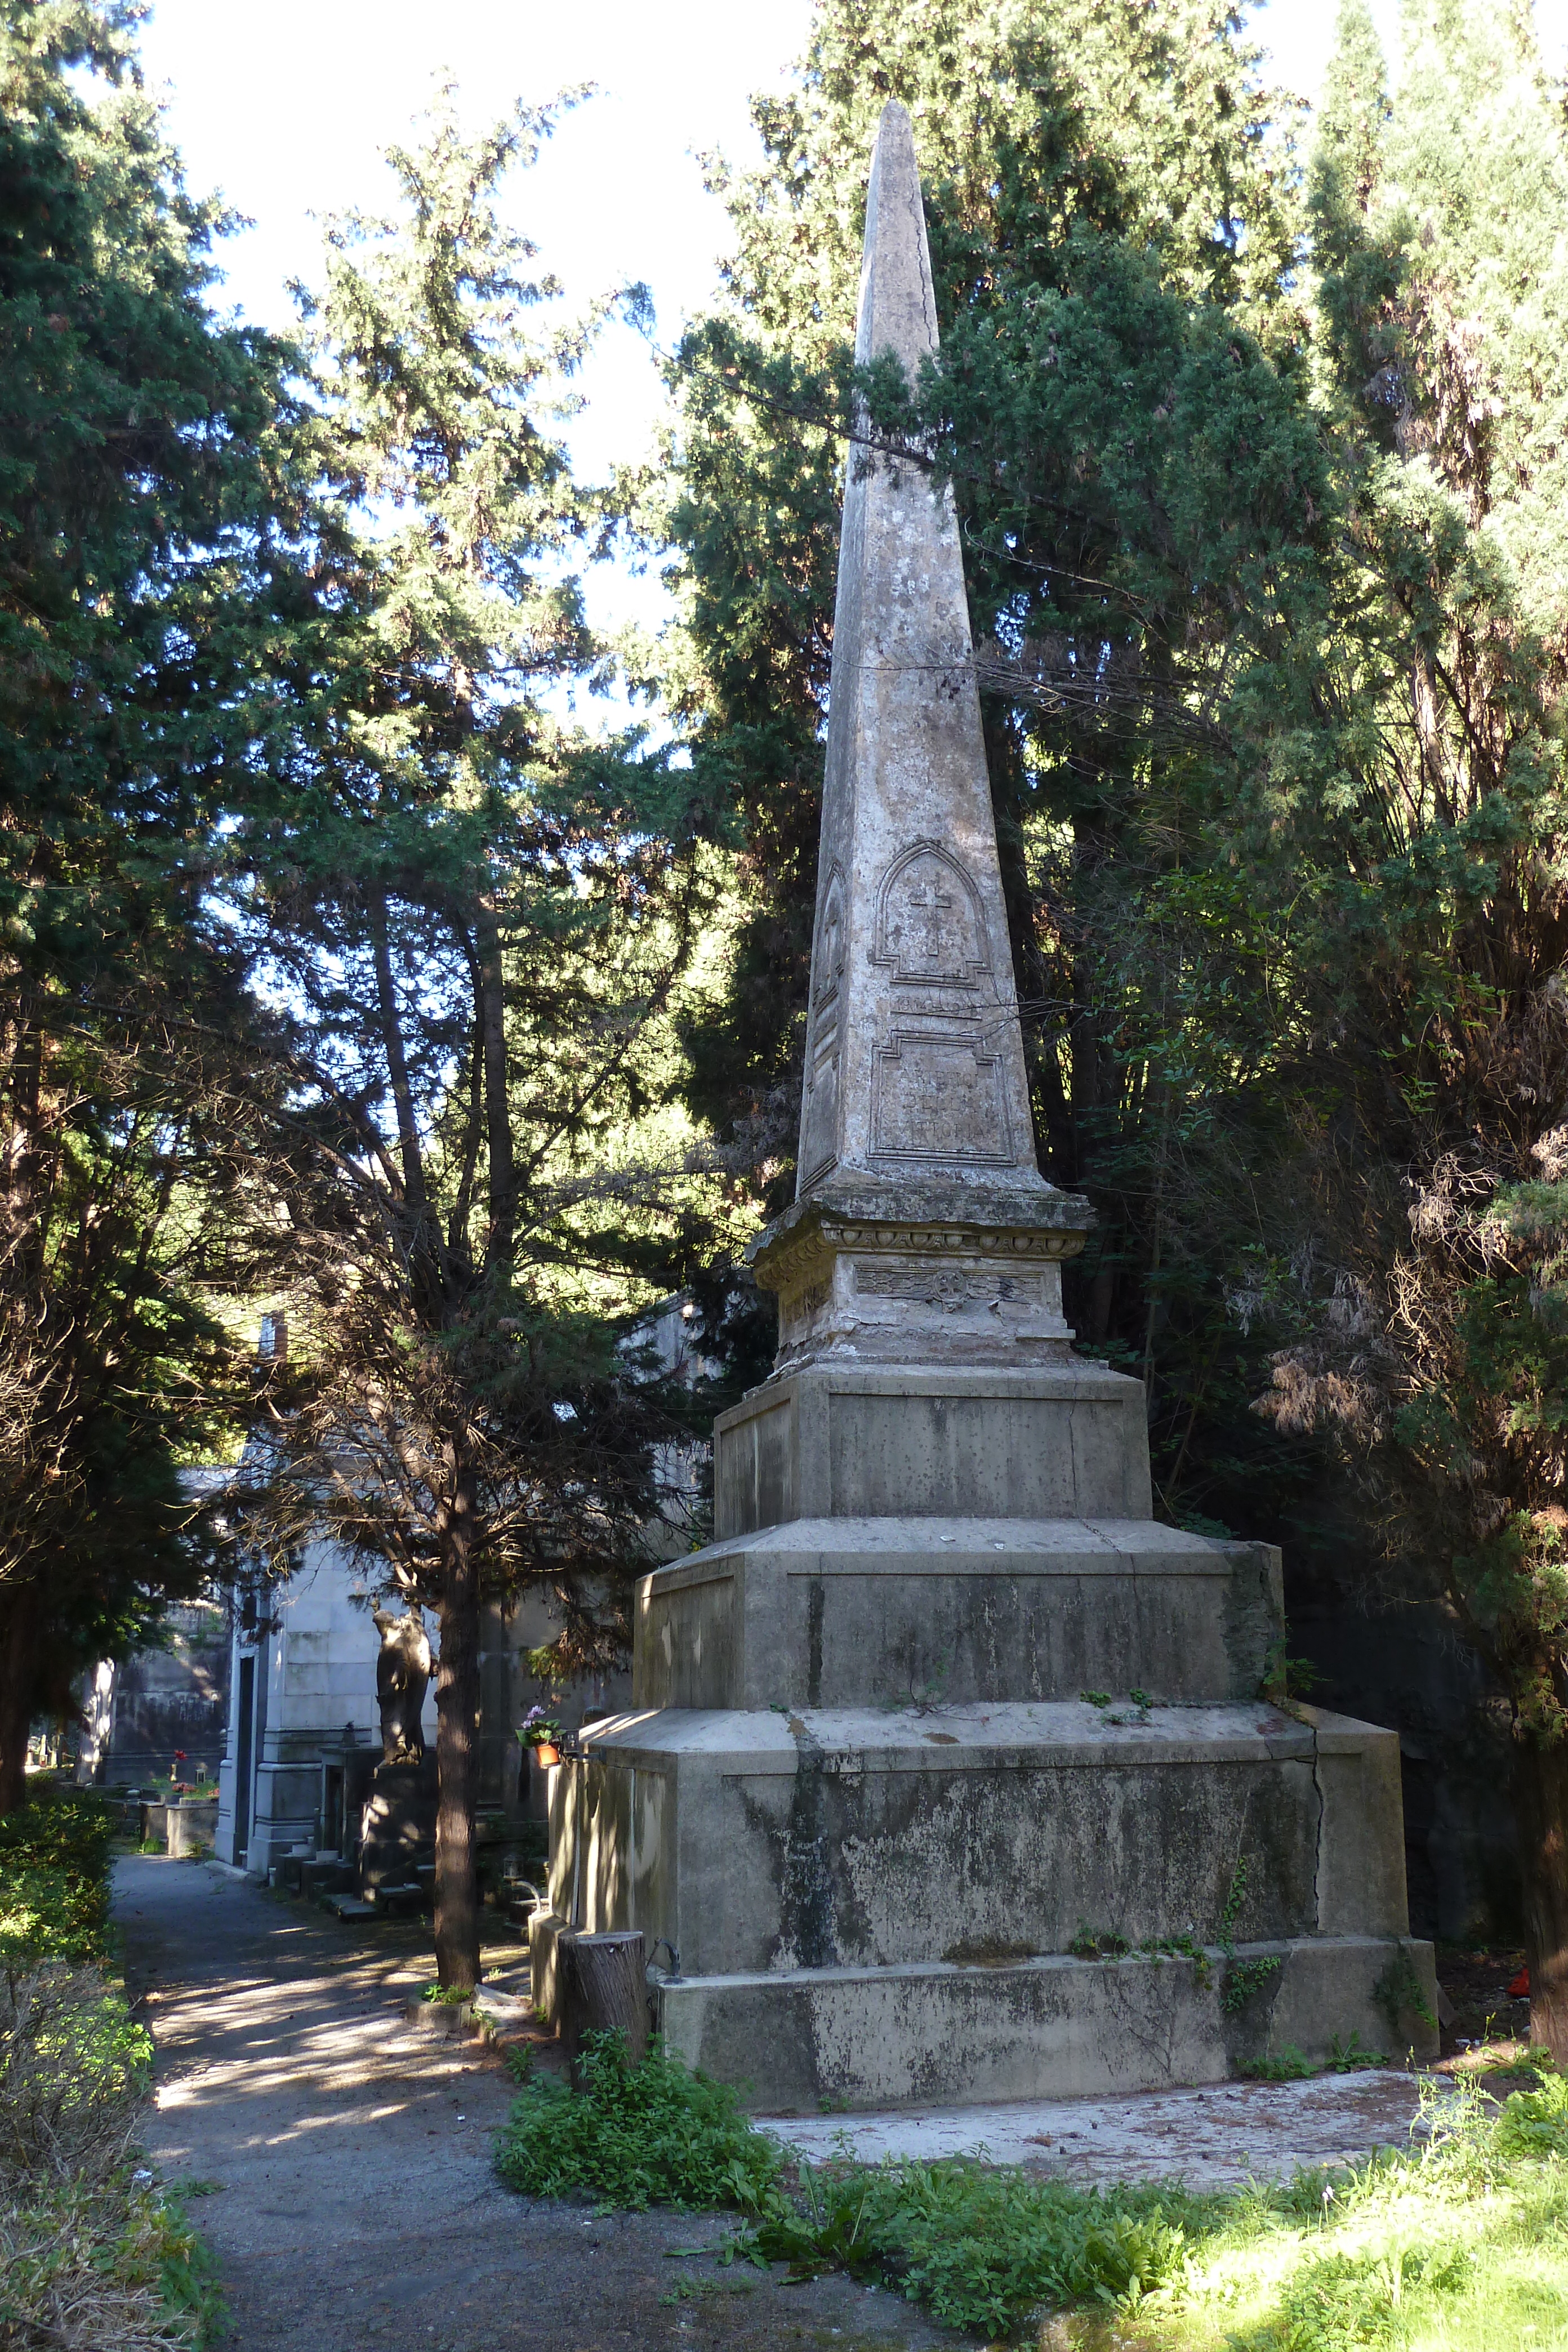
{"x":1458,"y":2244}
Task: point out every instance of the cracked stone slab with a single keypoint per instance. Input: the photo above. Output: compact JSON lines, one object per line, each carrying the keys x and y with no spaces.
{"x":1210,"y":2137}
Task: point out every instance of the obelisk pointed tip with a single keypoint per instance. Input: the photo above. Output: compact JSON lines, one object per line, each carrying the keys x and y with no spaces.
{"x":898,"y":311}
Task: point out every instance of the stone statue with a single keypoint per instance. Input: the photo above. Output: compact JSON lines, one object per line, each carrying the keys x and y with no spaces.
{"x":402,"y":1674}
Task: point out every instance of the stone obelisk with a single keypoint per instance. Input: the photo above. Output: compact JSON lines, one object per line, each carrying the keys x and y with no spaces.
{"x":915,"y":1107}
{"x":943,"y":1719}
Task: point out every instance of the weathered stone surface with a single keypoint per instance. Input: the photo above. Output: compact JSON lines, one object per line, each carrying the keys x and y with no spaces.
{"x":779,"y":1842}
{"x":934,"y":1441}
{"x":914,"y":1058}
{"x":1054,"y":2028}
{"x":832,"y":1613}
{"x":922,"y":1229}
{"x":932,"y":1272}
{"x":863,"y":1797}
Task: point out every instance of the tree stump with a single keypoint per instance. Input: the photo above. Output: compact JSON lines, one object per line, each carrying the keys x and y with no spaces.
{"x":604,"y":1988}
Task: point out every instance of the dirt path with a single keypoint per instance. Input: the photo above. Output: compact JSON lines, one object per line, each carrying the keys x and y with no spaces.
{"x":353,"y":2204}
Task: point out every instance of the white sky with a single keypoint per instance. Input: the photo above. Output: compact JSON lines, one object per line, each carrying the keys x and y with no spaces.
{"x":286,"y":106}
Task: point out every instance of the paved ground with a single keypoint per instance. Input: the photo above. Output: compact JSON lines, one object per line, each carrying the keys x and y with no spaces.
{"x":353,"y":2202}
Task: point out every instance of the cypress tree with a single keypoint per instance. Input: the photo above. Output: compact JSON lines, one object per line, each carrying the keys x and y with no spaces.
{"x":476,"y":932}
{"x":1411,"y":807}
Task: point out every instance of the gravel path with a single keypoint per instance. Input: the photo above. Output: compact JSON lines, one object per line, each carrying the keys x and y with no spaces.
{"x":349,"y":2157}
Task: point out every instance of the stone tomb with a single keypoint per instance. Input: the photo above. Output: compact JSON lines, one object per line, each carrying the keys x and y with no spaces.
{"x":944,"y":1736}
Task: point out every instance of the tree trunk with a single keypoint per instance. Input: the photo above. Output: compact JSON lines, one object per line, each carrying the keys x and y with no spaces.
{"x":19,"y":1675}
{"x":497,"y":1106}
{"x":456,"y":1727}
{"x":1540,"y":1799}
{"x":604,"y":1988}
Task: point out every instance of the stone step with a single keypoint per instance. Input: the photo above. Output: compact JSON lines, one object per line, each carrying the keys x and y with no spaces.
{"x":399,"y":1902}
{"x":1048,"y":2028}
{"x":351,"y":1906}
{"x":849,"y":1837}
{"x":838,"y":1613}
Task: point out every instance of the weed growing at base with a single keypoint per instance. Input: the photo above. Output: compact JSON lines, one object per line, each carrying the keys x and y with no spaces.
{"x":653,"y":2134}
{"x":1459,"y":2244}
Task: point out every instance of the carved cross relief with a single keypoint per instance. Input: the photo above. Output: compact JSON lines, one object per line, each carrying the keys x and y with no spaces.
{"x":930,"y":927}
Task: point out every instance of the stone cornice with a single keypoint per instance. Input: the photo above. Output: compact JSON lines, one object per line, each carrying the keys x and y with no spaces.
{"x":943,"y":1221}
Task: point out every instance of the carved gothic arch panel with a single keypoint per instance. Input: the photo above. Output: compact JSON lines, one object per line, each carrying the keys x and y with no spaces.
{"x":929,"y":921}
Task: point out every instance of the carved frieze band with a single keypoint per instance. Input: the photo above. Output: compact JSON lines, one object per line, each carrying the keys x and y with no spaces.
{"x":808,"y":1258}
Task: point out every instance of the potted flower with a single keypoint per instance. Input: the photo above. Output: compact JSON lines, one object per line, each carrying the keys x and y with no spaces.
{"x":541,"y":1732}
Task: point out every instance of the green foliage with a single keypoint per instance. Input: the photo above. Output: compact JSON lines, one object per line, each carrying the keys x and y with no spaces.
{"x":637,"y":2135}
{"x":150,"y":608}
{"x":1349,"y":2057}
{"x":1401,"y":1995}
{"x":109,"y":2265}
{"x":88,"y":2256}
{"x":980,"y":2248}
{"x":1535,"y":2123}
{"x":1460,"y":2236}
{"x":1341,"y":2301}
{"x":1287,"y":2065}
{"x":54,"y":1878}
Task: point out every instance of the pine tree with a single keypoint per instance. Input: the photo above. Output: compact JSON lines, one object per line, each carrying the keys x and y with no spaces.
{"x":477,"y":933}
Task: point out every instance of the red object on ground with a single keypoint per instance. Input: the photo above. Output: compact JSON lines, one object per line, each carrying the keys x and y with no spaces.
{"x":1519,"y":1989}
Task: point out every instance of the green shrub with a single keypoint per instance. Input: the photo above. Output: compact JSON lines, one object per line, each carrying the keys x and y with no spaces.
{"x":1535,"y":2123}
{"x":1287,"y":2065}
{"x":73,"y":2073}
{"x":1341,"y":2302}
{"x":89,"y":2262}
{"x":54,"y":1878}
{"x":637,"y":2135}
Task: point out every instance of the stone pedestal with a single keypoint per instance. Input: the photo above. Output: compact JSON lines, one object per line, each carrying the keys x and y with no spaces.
{"x":397,"y":1828}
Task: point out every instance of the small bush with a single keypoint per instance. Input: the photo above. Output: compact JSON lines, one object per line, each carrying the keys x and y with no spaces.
{"x":73,"y":2072}
{"x":54,"y":1878}
{"x":1535,"y":2123}
{"x":88,"y":2261}
{"x":1287,"y":2065}
{"x":637,"y":2135}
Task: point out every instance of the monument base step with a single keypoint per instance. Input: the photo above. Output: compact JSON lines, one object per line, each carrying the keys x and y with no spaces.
{"x":1055,"y":2027}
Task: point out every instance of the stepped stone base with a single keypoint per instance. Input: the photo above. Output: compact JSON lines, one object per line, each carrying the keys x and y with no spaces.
{"x":938,"y":2034}
{"x":825,"y":1612}
{"x":1051,"y":2028}
{"x":880,"y":1905}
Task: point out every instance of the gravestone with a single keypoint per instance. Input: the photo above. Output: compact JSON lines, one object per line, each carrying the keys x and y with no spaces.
{"x":949,"y":1777}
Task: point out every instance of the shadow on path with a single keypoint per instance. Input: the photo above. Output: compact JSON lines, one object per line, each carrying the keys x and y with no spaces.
{"x":353,"y":2201}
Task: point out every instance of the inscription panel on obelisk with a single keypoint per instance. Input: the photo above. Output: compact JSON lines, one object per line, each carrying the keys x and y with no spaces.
{"x":940,"y":1097}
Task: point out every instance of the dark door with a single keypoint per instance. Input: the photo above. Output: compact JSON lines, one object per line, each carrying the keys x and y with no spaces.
{"x":242,"y":1757}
